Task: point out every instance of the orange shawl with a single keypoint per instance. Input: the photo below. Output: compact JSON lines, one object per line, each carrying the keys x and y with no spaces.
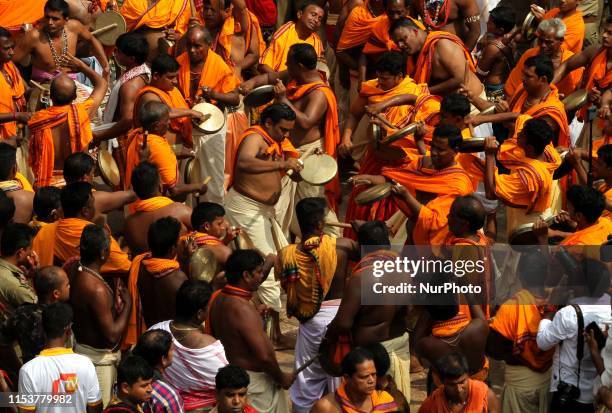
{"x":42,"y":149}
{"x":574,"y":35}
{"x":223,"y":43}
{"x":597,"y":75}
{"x":202,"y":238}
{"x":151,"y":204}
{"x":11,"y":97}
{"x":551,"y":106}
{"x":227,"y":291}
{"x":424,"y":62}
{"x":165,"y":13}
{"x":275,"y":56}
{"x":357,"y":28}
{"x":215,"y":74}
{"x":431,"y":227}
{"x":332,"y":131}
{"x":158,"y":268}
{"x":566,"y":86}
{"x":380,"y":41}
{"x":14,"y":14}
{"x":381,"y":401}
{"x":453,"y":326}
{"x":517,"y":320}
{"x":478,"y":399}
{"x":161,"y":155}
{"x":61,"y":240}
{"x":594,"y":235}
{"x":174,"y":99}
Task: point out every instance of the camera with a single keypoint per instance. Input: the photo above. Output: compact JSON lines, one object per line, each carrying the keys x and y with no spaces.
{"x":567,"y":393}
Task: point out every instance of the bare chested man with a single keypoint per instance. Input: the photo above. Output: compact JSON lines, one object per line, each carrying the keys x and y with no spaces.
{"x":98,"y":325}
{"x":460,"y":17}
{"x":368,"y":324}
{"x":442,"y":61}
{"x":51,"y":45}
{"x":233,"y":319}
{"x":12,"y":187}
{"x":160,"y":275}
{"x":256,"y":189}
{"x":150,"y":207}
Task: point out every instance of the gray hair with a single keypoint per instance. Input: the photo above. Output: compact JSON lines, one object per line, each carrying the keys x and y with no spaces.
{"x":555,"y":24}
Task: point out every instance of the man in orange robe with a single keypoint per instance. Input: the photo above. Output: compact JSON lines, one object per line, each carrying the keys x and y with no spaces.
{"x":203,"y":74}
{"x":274,"y":58}
{"x":442,"y":61}
{"x":549,"y":44}
{"x":65,"y":120}
{"x":602,"y":169}
{"x":471,"y":395}
{"x":162,"y":14}
{"x":12,"y":87}
{"x":586,"y":206}
{"x":59,"y":241}
{"x":572,"y":17}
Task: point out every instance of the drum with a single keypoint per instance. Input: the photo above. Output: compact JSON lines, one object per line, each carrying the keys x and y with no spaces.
{"x":319,"y":169}
{"x":109,"y":171}
{"x":203,"y":265}
{"x":192,"y":171}
{"x":530,"y":25}
{"x":259,"y":96}
{"x":40,"y":98}
{"x":213,"y":123}
{"x":523,"y":235}
{"x":108,"y":27}
{"x":399,"y":134}
{"x":378,"y":134}
{"x":575,"y":100}
{"x":472,"y":145}
{"x":374,"y":193}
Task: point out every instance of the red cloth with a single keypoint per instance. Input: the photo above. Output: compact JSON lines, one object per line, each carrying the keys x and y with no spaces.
{"x":265,"y":10}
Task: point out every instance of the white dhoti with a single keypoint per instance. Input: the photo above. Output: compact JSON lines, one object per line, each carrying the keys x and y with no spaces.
{"x":210,"y":153}
{"x":259,"y":222}
{"x":525,"y":390}
{"x":285,"y":206}
{"x":105,"y":361}
{"x":313,"y":382}
{"x":265,"y":395}
{"x":399,"y":353}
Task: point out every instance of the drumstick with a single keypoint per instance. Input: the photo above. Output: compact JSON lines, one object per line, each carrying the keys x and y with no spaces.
{"x":104,"y":29}
{"x":207,"y":180}
{"x":306,"y":364}
{"x":339,"y":224}
{"x":385,"y":121}
{"x":39,"y":86}
{"x":290,"y":172}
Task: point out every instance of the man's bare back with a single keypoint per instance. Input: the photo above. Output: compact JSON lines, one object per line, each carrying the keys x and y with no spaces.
{"x":23,"y":205}
{"x":449,"y":61}
{"x":345,"y":250}
{"x":158,"y":295}
{"x":315,"y":105}
{"x":137,"y":225}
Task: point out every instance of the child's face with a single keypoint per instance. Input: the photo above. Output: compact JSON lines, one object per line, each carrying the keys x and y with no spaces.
{"x":140,"y":391}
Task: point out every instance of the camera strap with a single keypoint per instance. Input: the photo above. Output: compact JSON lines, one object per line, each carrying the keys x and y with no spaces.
{"x":580,"y":342}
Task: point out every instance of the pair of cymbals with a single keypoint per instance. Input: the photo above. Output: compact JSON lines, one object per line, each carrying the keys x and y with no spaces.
{"x":214,"y":118}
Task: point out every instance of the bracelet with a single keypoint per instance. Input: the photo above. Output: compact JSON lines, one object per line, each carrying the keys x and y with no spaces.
{"x":472,"y":19}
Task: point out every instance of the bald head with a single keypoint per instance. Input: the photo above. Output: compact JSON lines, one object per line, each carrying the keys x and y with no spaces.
{"x":151,"y":113}
{"x":51,"y":285}
{"x":63,"y":90}
{"x":198,"y":33}
{"x":466,"y":215}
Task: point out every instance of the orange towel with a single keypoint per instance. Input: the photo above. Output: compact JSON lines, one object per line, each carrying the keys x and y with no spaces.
{"x":424,"y":62}
{"x":151,"y":204}
{"x":594,"y":235}
{"x":381,"y":401}
{"x":574,"y":34}
{"x":161,"y":155}
{"x":357,"y":28}
{"x":275,"y":56}
{"x":164,"y":13}
{"x":380,"y":41}
{"x":597,"y":75}
{"x":12,"y":98}
{"x":202,"y":238}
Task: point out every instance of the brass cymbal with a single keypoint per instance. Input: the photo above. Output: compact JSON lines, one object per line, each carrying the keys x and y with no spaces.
{"x":399,"y":134}
{"x":192,"y":171}
{"x":109,"y":171}
{"x":523,"y":234}
{"x":259,"y":96}
{"x":530,"y":25}
{"x":319,"y":169}
{"x":212,"y":124}
{"x":575,"y":100}
{"x":374,"y":193}
{"x":203,"y":265}
{"x":472,"y":145}
{"x":108,"y":27}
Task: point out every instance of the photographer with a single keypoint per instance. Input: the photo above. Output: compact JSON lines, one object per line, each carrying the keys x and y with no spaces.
{"x":573,"y":370}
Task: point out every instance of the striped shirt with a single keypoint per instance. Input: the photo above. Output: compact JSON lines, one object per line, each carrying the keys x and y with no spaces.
{"x":164,"y":399}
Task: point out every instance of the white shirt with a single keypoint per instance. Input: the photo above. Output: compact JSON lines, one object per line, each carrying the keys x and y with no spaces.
{"x":60,"y":371}
{"x":564,"y":328}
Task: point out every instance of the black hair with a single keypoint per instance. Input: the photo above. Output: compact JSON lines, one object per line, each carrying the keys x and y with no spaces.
{"x":403,"y":22}
{"x":532,"y":269}
{"x":15,"y":237}
{"x":393,"y":63}
{"x":451,"y":366}
{"x":205,"y":212}
{"x":74,"y":198}
{"x":46,"y":280}
{"x":133,"y":45}
{"x":503,"y":17}
{"x":153,"y":345}
{"x":373,"y":233}
{"x":192,"y":296}
{"x":470,"y":209}
{"x":7,"y":209}
{"x":239,"y":262}
{"x":163,"y":235}
{"x":450,"y":133}
{"x":94,"y":241}
{"x":310,"y":3}
{"x":145,"y":180}
{"x":56,"y":318}
{"x":353,"y":359}
{"x":5,"y":33}
{"x":543,"y":66}
{"x":77,"y":165}
{"x":164,"y":64}
{"x":304,"y":54}
{"x":46,"y":199}
{"x":588,"y":201}
{"x":8,"y":160}
{"x":277,"y":112}
{"x":604,"y":153}
{"x":132,"y":369}
{"x":231,"y":377}
{"x":597,"y":277}
{"x":381,"y":358}
{"x":310,"y":212}
{"x":456,"y":104}
{"x":538,"y":133}
{"x":442,"y":312}
{"x":152,"y":112}
{"x":58,"y":5}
